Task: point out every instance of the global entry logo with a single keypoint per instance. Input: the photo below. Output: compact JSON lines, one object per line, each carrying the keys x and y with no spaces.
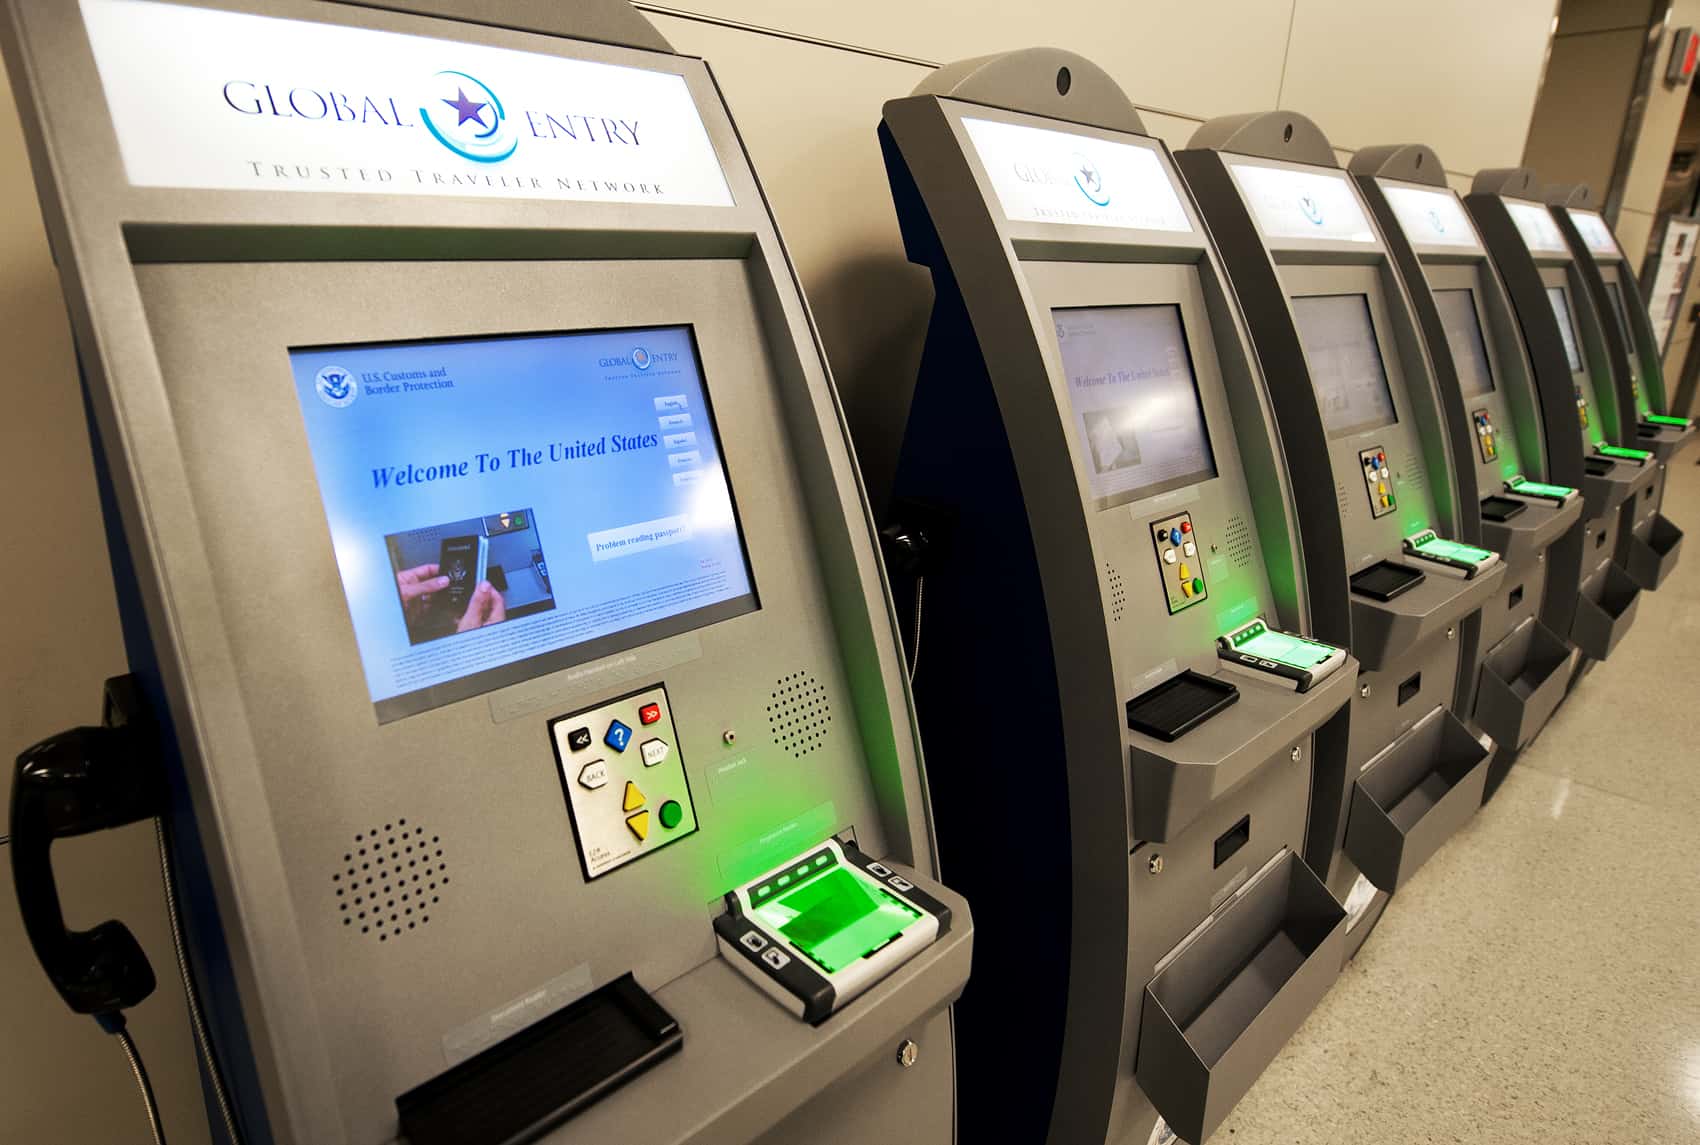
{"x":1090,"y":180}
{"x":458,"y":109}
{"x":473,"y":126}
{"x":1309,"y":209}
{"x":641,"y":358}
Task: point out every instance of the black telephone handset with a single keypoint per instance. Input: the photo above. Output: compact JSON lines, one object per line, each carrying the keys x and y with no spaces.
{"x":82,"y":780}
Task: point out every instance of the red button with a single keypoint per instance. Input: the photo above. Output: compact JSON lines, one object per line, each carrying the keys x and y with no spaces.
{"x":1186,"y":526}
{"x":649,"y":714}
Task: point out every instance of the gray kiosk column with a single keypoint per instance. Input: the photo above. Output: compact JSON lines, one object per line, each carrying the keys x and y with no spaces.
{"x":1092,"y":460}
{"x":1650,"y":544}
{"x":356,"y":285}
{"x":1355,"y":398}
{"x":1477,"y":353}
{"x":1582,"y":406}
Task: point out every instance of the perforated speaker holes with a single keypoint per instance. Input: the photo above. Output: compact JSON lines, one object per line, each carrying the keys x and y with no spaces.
{"x":390,"y":880}
{"x":1237,"y":538}
{"x":1118,"y":591}
{"x":799,"y":714}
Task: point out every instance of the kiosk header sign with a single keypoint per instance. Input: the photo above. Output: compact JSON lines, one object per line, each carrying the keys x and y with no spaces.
{"x":1535,"y":223}
{"x":1595,"y":233}
{"x":1434,"y":218}
{"x":1293,"y":204}
{"x":1044,"y":176}
{"x":233,"y":101}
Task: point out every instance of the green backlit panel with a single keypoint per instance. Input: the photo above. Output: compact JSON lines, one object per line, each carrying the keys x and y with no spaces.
{"x":836,"y":918}
{"x":1665,"y":419}
{"x":1285,"y":648}
{"x":1454,"y":550}
{"x":1540,"y":488}
{"x":1624,"y":452}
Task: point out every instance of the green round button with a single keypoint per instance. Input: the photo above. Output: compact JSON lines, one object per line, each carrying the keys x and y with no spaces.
{"x":671,"y":814}
{"x":1198,"y":584}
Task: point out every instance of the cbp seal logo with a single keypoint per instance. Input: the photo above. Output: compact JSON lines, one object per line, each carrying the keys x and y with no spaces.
{"x":336,"y":387}
{"x":1309,"y":209}
{"x":465,"y":116}
{"x":641,"y":358}
{"x":1090,"y":180}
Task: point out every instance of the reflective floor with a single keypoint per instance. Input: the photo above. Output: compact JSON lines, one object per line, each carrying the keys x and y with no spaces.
{"x":1539,"y":979}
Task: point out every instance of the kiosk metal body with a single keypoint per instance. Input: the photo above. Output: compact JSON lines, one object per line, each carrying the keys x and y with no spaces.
{"x":1584,"y":404}
{"x":1650,"y":547}
{"x":1091,"y":426}
{"x":1476,"y":349}
{"x":394,"y":874}
{"x":1384,"y":459}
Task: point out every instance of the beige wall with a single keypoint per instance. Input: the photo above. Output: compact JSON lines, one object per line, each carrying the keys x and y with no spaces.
{"x":1456,"y":74}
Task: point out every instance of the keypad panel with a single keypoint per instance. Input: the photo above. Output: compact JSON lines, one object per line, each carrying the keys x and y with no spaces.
{"x":624,"y":778}
{"x":1378,"y":481}
{"x":1179,"y":562}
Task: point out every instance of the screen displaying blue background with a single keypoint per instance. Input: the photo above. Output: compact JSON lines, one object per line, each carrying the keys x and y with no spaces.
{"x":605,"y":437}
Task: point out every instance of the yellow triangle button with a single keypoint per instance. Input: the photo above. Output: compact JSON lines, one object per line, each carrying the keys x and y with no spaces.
{"x":634,"y":798}
{"x":639,"y":824}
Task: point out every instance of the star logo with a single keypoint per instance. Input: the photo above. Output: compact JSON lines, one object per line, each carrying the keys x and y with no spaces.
{"x":1090,"y":180}
{"x":467,"y":109}
{"x":474,"y":126}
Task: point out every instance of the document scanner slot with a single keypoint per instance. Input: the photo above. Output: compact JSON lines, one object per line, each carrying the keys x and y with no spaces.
{"x":1175,"y":781}
{"x":526,"y":1084}
{"x":1384,"y":630}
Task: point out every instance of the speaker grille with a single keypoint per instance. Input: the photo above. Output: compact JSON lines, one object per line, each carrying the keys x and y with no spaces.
{"x":1414,"y":473}
{"x":1237,"y":538}
{"x":390,"y":880}
{"x":1340,"y":497}
{"x":1117,"y":591}
{"x":799,"y":714}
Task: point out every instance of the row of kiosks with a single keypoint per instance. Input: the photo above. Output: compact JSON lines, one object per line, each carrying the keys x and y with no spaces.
{"x":1132,"y":589}
{"x":1648,"y":551}
{"x":1585,"y":405}
{"x":1479,"y":361}
{"x":542,"y":761}
{"x":1386,"y":490}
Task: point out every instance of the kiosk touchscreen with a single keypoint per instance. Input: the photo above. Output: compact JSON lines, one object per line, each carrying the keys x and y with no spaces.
{"x":1394,"y":506}
{"x":1582,"y":403}
{"x":1114,"y":583}
{"x":1651,"y":544}
{"x":511,"y":599}
{"x":1477,"y":353}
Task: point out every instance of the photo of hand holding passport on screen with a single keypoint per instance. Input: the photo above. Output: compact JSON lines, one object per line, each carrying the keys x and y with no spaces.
{"x":418,"y":587}
{"x":487,"y":570}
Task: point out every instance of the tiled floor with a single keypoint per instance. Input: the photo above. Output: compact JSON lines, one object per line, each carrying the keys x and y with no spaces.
{"x":1539,"y":980}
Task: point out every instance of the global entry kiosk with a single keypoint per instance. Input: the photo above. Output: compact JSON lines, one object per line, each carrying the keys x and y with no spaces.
{"x":575,"y":777}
